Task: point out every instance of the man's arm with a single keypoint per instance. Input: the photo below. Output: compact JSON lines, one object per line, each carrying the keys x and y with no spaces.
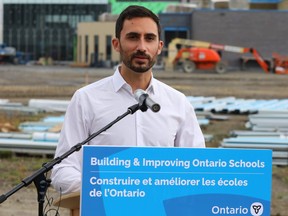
{"x":190,"y":133}
{"x":66,"y":176}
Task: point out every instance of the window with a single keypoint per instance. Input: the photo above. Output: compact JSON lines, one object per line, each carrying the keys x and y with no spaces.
{"x":86,"y":48}
{"x":108,"y":47}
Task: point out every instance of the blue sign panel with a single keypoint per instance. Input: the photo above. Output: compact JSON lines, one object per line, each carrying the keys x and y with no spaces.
{"x":175,"y":181}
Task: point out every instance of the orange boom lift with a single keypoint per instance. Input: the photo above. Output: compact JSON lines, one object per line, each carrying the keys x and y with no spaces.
{"x":191,"y":55}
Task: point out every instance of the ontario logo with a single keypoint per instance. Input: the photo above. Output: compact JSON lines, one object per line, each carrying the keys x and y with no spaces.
{"x":256,"y":209}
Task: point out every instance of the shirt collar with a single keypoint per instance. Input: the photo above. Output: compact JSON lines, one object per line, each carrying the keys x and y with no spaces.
{"x":119,"y":83}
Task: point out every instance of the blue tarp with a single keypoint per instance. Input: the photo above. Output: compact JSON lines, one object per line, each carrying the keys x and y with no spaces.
{"x":265,"y":1}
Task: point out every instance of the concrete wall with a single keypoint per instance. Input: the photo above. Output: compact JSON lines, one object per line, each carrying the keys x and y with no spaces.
{"x":92,"y":29}
{"x":1,"y":21}
{"x":263,"y":30}
{"x":175,"y":19}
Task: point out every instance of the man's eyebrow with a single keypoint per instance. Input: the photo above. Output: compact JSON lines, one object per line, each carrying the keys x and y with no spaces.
{"x":151,"y":35}
{"x":133,"y":33}
{"x":136,"y":33}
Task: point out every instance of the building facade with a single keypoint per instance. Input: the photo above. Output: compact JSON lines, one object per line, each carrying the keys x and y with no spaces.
{"x":259,"y":29}
{"x":94,"y":47}
{"x":48,"y":28}
{"x":43,"y":28}
{"x":1,"y":21}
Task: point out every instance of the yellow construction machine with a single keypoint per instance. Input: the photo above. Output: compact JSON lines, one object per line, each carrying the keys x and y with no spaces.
{"x":192,"y":55}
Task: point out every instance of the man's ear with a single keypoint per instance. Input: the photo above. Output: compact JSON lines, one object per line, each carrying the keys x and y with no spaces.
{"x":115,"y":43}
{"x":160,"y":46}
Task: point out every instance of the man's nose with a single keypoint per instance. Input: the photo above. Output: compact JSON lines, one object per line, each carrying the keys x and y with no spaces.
{"x":141,"y":46}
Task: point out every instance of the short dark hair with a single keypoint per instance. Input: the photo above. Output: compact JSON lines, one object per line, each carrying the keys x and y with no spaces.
{"x":134,"y":11}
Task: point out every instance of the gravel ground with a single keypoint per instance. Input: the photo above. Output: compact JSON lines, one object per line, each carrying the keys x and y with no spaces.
{"x":21,"y":83}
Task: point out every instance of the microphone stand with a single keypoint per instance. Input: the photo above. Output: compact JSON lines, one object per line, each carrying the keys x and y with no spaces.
{"x":39,"y":177}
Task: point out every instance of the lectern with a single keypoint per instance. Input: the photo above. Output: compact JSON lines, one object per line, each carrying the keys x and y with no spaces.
{"x":70,"y":201}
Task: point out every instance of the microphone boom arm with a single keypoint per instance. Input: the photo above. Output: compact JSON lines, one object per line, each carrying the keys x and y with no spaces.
{"x":39,"y":177}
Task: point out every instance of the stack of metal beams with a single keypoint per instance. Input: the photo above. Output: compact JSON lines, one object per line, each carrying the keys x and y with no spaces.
{"x":268,"y":129}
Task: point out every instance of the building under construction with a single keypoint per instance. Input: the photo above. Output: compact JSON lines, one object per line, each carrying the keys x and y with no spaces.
{"x":69,"y":30}
{"x":48,"y":28}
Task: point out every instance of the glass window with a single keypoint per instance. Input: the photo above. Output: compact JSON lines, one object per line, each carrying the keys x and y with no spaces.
{"x":96,"y":50}
{"x":86,"y":48}
{"x":57,"y":21}
{"x":108,"y":47}
{"x":80,"y":48}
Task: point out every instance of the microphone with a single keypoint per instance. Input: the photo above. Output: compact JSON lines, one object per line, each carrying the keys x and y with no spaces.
{"x":144,"y":100}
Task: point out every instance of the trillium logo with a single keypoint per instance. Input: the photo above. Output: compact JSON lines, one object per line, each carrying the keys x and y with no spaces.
{"x":256,"y":209}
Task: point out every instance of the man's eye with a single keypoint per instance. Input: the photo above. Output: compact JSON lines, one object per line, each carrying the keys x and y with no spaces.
{"x":150,"y":38}
{"x":132,"y":37}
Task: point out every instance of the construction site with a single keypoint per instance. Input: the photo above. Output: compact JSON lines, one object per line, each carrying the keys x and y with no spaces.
{"x":230,"y":58}
{"x":232,"y":108}
{"x":256,"y":27}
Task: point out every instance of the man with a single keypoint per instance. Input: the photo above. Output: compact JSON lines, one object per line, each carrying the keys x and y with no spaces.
{"x":96,"y":105}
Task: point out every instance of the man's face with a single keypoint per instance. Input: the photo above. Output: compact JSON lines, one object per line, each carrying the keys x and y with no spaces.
{"x":139,"y":44}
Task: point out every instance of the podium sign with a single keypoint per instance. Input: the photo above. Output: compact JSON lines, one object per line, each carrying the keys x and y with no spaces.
{"x":175,"y":181}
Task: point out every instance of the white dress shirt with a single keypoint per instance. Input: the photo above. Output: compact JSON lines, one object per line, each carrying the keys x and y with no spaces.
{"x":96,"y":105}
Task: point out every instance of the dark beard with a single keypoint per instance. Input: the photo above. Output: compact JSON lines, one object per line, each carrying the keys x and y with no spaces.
{"x":139,"y":69}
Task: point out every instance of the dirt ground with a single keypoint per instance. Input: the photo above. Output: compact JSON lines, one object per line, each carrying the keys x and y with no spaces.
{"x":21,"y":83}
